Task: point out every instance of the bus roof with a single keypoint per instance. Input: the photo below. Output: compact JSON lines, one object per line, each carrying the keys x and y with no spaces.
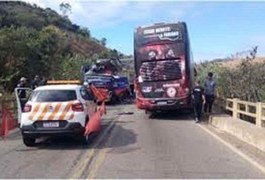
{"x":159,"y":24}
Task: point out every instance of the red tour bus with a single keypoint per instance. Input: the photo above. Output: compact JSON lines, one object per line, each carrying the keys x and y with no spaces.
{"x":163,"y":67}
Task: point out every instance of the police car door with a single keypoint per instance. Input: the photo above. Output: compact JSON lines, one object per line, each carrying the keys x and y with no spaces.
{"x":22,"y":96}
{"x":90,"y":105}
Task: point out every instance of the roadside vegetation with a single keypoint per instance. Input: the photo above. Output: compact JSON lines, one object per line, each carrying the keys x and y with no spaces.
{"x":244,"y":80}
{"x":40,"y":41}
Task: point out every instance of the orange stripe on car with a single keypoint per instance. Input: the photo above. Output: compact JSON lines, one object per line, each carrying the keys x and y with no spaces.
{"x":66,"y":109}
{"x":35,"y":111}
{"x":72,"y":116}
{"x":55,"y":111}
{"x":45,"y":110}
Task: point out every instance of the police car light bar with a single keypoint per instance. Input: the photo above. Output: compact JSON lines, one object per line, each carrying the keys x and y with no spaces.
{"x":63,"y":82}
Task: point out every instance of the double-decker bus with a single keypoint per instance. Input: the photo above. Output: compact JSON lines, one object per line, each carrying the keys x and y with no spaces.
{"x":163,"y":67}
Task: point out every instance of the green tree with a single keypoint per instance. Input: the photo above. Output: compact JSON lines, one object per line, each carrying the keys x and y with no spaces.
{"x":65,"y":8}
{"x":103,"y":41}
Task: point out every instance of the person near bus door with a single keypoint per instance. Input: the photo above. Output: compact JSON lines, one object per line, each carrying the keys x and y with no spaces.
{"x":198,"y":100}
{"x":209,"y":85}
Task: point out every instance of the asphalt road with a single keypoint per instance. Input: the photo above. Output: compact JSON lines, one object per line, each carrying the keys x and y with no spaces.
{"x":52,"y":158}
{"x":167,"y":146}
{"x":129,"y":146}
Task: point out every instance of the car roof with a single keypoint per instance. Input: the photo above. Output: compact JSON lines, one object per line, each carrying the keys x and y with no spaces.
{"x":59,"y":87}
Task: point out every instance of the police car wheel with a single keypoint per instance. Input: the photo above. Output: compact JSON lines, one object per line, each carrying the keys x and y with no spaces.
{"x":85,"y":140}
{"x":29,"y":141}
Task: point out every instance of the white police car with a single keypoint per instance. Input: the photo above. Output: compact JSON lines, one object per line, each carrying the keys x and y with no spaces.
{"x":56,"y":110}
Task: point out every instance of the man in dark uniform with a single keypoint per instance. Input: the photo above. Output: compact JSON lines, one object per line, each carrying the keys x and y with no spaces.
{"x":36,"y":82}
{"x":198,"y":99}
{"x":22,"y":94}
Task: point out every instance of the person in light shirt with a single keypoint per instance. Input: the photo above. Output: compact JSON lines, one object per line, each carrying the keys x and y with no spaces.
{"x":210,"y":86}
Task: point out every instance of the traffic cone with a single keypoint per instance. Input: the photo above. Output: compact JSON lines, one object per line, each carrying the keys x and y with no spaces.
{"x":4,"y":127}
{"x":100,"y":95}
{"x":93,"y":124}
{"x":8,"y":123}
{"x":102,"y":109}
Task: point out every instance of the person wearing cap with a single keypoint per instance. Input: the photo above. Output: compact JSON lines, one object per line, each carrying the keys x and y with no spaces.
{"x":22,"y":92}
{"x":22,"y":84}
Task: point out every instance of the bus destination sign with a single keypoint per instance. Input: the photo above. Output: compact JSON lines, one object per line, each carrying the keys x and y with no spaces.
{"x":163,"y":33}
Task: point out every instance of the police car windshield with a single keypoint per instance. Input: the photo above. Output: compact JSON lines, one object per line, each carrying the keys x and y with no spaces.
{"x":53,"y":96}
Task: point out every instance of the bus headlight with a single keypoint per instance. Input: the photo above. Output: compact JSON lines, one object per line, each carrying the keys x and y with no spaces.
{"x":147,"y":89}
{"x":171,"y":92}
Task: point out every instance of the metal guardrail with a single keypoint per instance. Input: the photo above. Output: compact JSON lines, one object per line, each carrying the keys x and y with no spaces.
{"x":249,"y":109}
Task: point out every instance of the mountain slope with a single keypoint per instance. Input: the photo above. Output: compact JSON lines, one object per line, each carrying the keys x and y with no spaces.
{"x":39,"y":41}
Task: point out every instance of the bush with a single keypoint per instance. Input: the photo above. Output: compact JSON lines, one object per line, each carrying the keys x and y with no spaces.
{"x":246,"y":81}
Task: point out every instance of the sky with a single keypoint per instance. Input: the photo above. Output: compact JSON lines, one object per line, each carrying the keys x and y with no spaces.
{"x":216,"y":29}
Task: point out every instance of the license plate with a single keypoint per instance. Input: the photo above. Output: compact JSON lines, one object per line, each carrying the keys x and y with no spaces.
{"x":162,"y":103}
{"x":51,"y":124}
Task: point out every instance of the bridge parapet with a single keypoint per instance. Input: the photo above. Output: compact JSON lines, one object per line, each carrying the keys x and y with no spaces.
{"x":244,"y":110}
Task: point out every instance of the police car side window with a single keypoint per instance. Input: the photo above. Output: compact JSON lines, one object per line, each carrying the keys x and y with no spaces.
{"x":85,"y":94}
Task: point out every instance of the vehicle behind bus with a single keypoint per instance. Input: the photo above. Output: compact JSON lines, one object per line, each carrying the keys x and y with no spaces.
{"x":163,"y":66}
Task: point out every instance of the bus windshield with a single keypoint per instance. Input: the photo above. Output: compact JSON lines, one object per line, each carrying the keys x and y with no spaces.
{"x":160,"y":51}
{"x":160,"y":70}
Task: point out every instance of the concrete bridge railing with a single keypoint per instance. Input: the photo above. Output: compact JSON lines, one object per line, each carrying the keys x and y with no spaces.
{"x":242,"y":109}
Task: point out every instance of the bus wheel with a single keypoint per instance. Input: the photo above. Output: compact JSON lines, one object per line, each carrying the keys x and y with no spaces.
{"x":188,"y":111}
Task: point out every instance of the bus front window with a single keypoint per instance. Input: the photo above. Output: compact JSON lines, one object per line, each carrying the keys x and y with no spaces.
{"x":161,"y":70}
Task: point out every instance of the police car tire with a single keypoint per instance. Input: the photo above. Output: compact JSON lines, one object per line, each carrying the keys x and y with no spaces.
{"x":29,"y":141}
{"x":86,"y":139}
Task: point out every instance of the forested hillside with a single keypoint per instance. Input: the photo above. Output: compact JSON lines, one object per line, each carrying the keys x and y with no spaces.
{"x":40,"y":41}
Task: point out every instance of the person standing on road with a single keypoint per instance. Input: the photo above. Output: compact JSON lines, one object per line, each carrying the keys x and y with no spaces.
{"x":198,"y":100}
{"x":22,"y":94}
{"x":209,"y":85}
{"x":22,"y":84}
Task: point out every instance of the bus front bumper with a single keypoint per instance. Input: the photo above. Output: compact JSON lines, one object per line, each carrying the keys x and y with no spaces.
{"x":163,"y":103}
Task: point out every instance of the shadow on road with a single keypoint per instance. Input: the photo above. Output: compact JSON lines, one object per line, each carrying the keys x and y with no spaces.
{"x":67,"y":142}
{"x":13,"y":136}
{"x":119,"y":138}
{"x":172,"y":115}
